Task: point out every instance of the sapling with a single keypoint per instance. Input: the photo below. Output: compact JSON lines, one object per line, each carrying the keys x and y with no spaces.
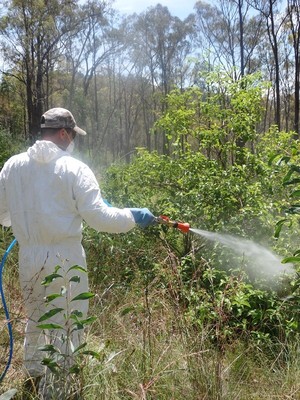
{"x":64,"y":357}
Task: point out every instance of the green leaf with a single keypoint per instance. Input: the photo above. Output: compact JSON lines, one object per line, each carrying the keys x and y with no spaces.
{"x":284,"y":159}
{"x":50,"y":314}
{"x":50,"y":326}
{"x":75,"y":369}
{"x":77,"y":268}
{"x":49,"y":348}
{"x":83,"y":296}
{"x":291,"y":259}
{"x":78,"y":326}
{"x":288,"y":176}
{"x":88,"y":321}
{"x":52,"y":365}
{"x":50,"y":278}
{"x":75,"y":314}
{"x":244,"y":302}
{"x":52,"y":297}
{"x":296,"y":193}
{"x":291,"y":182}
{"x":295,"y":168}
{"x":75,"y":278}
{"x":80,"y":347}
{"x":279,"y":227}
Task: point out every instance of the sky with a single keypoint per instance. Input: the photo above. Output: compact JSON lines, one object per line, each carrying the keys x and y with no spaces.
{"x":178,"y":8}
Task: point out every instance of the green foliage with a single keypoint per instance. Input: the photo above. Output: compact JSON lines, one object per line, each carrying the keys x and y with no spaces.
{"x":218,"y":123}
{"x":64,"y":365}
{"x":8,"y":146}
{"x":194,"y":189}
{"x":290,"y":163}
{"x":12,"y":107}
{"x":234,"y":308}
{"x":239,"y":193}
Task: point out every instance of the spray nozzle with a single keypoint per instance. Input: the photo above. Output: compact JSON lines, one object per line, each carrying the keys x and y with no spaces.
{"x":182,"y":226}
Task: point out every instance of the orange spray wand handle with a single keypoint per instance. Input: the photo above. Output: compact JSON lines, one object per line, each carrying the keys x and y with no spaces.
{"x":182,"y":226}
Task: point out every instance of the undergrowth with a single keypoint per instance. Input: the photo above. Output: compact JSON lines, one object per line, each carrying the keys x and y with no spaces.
{"x":174,"y":317}
{"x":151,"y":347}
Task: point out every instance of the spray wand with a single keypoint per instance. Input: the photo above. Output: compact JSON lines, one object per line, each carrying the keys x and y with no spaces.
{"x":182,"y":226}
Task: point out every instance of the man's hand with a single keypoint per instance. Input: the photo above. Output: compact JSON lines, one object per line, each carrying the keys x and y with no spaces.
{"x":142,"y":217}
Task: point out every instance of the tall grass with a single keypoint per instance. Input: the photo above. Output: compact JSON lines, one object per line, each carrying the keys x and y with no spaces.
{"x":166,"y":358}
{"x":151,"y":352}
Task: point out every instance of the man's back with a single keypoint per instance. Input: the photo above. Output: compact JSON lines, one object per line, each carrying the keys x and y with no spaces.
{"x":49,"y":193}
{"x":39,"y":189}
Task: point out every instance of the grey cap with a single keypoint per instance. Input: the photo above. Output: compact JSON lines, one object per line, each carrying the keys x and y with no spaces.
{"x":60,"y":118}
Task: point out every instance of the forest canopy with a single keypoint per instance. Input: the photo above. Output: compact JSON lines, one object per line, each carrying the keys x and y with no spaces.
{"x":115,"y":72}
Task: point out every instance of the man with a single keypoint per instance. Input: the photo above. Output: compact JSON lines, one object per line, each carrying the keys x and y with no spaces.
{"x":45,"y":194}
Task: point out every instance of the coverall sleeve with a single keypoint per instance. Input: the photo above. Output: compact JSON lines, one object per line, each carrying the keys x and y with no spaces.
{"x":93,"y":209}
{"x":4,"y":213}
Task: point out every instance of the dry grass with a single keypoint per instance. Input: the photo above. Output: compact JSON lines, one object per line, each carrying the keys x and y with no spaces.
{"x":148,"y":351}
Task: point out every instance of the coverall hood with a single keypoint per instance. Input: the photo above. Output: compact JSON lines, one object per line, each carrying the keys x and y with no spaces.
{"x":44,"y":151}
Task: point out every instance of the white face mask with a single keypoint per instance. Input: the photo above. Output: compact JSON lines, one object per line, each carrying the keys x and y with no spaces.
{"x":70,"y":147}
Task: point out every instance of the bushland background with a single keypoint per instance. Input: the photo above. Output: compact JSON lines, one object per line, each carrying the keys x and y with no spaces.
{"x":197,"y":119}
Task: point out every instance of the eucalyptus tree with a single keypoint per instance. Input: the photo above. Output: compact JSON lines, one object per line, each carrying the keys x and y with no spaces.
{"x":117,"y":90}
{"x":293,"y":26}
{"x":32,"y":31}
{"x":230,"y":33}
{"x":169,"y":41}
{"x":124,"y":97}
{"x":274,"y":20}
{"x":89,"y":55}
{"x":160,"y":44}
{"x":81,"y":47}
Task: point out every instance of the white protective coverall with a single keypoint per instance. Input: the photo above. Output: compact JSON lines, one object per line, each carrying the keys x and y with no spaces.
{"x":45,"y":194}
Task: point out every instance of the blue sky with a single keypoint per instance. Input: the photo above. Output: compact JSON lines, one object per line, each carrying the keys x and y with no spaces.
{"x":179,"y":8}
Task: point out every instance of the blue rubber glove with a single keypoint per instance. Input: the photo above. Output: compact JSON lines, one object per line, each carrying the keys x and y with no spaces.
{"x":106,"y":202}
{"x":142,"y":217}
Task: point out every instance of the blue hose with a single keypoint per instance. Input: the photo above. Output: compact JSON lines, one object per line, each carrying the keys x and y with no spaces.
{"x":9,"y":326}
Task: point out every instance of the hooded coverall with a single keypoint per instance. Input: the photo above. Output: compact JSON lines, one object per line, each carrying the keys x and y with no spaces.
{"x":45,"y":194}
